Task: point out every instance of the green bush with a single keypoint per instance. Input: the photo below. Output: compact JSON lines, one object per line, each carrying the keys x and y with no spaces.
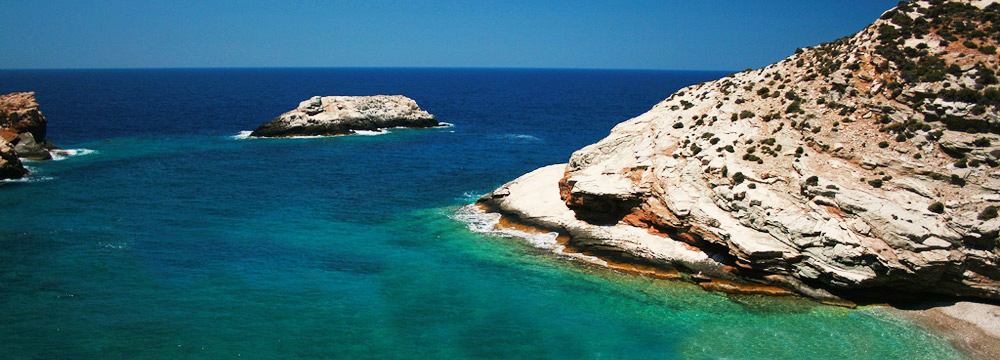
{"x":678,"y":125}
{"x":883,"y":144}
{"x":957,"y":180}
{"x":794,"y":107}
{"x":988,"y":50}
{"x":969,"y":44}
{"x":989,"y":213}
{"x":746,"y":114}
{"x":812,"y":180}
{"x":738,"y":178}
{"x":936,"y":208}
{"x":875,"y":183}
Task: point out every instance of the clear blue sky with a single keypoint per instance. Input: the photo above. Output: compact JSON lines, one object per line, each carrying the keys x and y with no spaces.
{"x":658,"y":34}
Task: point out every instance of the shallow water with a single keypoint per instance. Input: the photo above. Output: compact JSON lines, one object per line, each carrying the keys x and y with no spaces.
{"x":175,"y":238}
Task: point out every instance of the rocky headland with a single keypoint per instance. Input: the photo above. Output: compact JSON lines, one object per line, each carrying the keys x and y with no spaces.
{"x":22,"y":134}
{"x":864,"y":168}
{"x":344,"y":115}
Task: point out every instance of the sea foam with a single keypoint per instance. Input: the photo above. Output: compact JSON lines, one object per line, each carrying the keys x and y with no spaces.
{"x":516,"y":138}
{"x":63,"y":154}
{"x":486,"y":223}
{"x":27,"y":179}
{"x":243,"y":135}
{"x":370,"y":132}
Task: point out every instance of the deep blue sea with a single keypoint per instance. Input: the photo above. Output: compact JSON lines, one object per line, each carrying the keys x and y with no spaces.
{"x":175,"y":239}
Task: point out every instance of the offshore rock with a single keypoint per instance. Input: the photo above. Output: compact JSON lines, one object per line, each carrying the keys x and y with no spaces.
{"x":19,"y":114}
{"x":22,"y":134}
{"x":343,"y":115}
{"x":868,"y":167}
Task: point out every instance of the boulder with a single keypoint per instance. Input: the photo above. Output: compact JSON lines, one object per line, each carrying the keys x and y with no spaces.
{"x":10,"y":165}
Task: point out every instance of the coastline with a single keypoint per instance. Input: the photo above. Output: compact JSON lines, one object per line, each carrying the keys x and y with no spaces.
{"x":530,"y":205}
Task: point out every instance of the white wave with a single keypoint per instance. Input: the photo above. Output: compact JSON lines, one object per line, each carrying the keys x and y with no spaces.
{"x":63,"y":154}
{"x":484,"y":222}
{"x":116,"y":246}
{"x":517,"y":138}
{"x":27,"y":179}
{"x":243,"y":135}
{"x":370,"y":132}
{"x":443,"y":124}
{"x":470,"y":196}
{"x":480,"y":221}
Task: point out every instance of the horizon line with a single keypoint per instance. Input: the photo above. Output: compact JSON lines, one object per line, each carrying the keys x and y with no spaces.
{"x":365,"y":67}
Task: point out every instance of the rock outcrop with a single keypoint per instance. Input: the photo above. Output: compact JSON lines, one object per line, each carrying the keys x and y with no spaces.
{"x":343,"y":115}
{"x":22,"y":134}
{"x":865,"y":167}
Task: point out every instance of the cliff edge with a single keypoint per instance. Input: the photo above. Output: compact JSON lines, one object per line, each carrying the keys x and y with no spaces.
{"x":867,"y":166}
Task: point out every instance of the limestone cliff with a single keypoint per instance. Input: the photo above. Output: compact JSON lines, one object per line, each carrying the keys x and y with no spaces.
{"x":865,"y":166}
{"x":342,"y":115}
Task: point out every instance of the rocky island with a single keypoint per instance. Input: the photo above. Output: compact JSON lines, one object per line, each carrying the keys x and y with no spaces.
{"x":22,"y":134}
{"x":344,"y":115}
{"x":863,"y":168}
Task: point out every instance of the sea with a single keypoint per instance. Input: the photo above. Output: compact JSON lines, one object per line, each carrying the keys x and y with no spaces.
{"x":166,"y":233}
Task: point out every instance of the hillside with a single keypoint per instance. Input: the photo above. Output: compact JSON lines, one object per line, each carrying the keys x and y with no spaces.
{"x":866,"y":166}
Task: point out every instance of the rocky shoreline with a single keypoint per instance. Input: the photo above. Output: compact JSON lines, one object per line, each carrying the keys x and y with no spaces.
{"x":532,"y":203}
{"x":22,"y":134}
{"x":344,"y":115}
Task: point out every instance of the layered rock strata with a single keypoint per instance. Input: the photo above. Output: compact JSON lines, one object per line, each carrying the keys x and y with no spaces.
{"x":22,"y":134}
{"x":343,"y":115}
{"x":864,"y":167}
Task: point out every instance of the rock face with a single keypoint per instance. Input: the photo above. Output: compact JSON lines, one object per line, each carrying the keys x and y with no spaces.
{"x":865,"y":167}
{"x":10,"y":165}
{"x":22,"y":134}
{"x":343,"y":115}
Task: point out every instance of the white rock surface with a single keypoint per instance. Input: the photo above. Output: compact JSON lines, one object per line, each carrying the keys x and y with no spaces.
{"x":341,"y":115}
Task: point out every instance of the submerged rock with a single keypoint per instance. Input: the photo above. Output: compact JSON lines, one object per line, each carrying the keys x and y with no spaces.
{"x":839,"y":172}
{"x":343,"y":115}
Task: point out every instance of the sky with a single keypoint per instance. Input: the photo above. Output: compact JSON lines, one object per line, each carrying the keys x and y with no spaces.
{"x":664,"y":34}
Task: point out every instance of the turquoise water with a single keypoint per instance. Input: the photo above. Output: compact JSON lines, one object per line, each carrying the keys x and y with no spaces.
{"x":174,"y":239}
